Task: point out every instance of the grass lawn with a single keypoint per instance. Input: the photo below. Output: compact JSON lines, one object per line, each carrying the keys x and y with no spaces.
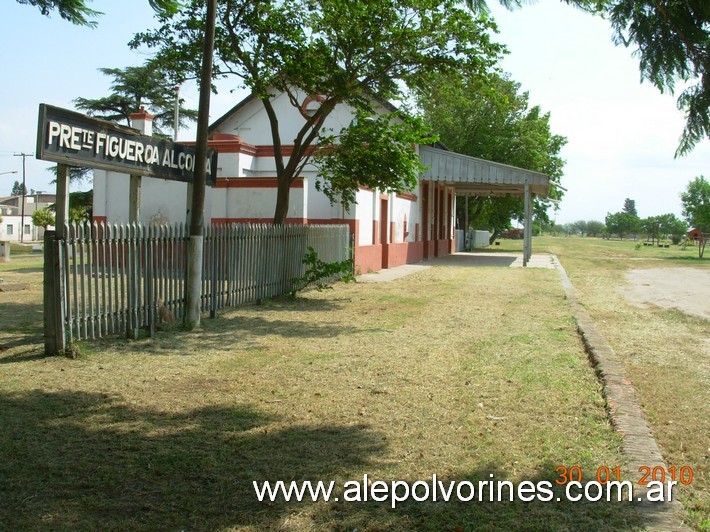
{"x":666,"y":353}
{"x":452,"y":371}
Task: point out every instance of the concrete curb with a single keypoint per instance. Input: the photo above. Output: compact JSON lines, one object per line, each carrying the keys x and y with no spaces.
{"x":639,"y":447}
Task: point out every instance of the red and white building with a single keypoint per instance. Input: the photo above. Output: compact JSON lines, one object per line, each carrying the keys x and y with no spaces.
{"x":389,"y":229}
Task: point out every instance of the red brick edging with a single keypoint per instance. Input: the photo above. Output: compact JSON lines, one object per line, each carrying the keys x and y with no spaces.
{"x":639,"y":447}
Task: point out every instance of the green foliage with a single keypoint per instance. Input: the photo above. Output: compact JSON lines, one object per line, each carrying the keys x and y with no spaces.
{"x":43,"y":217}
{"x":320,"y":274}
{"x":595,"y":228}
{"x":81,"y":205}
{"x":77,"y":12}
{"x":487,"y":116}
{"x":696,"y":207}
{"x":696,"y":203}
{"x":358,"y":53}
{"x":77,"y":174}
{"x":18,"y":189}
{"x":374,"y":151}
{"x":630,"y":207}
{"x":147,"y":85}
{"x":672,"y":41}
{"x":671,"y":38}
{"x":663,"y":226}
{"x":622,"y":223}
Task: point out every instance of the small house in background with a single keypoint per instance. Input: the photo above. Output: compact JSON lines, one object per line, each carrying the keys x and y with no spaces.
{"x":513,"y":234}
{"x":695,"y":234}
{"x":13,"y":227}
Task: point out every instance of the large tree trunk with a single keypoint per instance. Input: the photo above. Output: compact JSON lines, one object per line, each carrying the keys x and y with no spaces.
{"x":282,"y":197}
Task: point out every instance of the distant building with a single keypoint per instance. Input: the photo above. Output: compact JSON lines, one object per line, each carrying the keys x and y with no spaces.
{"x":695,"y":234}
{"x":13,"y":227}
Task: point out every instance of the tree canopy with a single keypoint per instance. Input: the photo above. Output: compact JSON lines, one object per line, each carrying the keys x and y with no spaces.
{"x":630,"y":207}
{"x":671,"y":39}
{"x":487,"y":116}
{"x":696,"y":203}
{"x":622,"y":223}
{"x":357,"y":53}
{"x":136,"y":86}
{"x":696,"y":207}
{"x":79,"y":13}
{"x":18,"y":189}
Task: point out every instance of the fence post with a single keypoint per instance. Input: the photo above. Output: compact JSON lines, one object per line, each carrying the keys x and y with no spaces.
{"x":132,"y":331}
{"x":54,"y":337}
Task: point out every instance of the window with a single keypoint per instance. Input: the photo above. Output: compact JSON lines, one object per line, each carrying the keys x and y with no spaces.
{"x":9,"y":229}
{"x":28,"y":229}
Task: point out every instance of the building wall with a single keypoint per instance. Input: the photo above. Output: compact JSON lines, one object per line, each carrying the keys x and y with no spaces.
{"x":389,"y":229}
{"x":10,"y":229}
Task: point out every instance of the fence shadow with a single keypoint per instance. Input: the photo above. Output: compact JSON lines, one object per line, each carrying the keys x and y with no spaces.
{"x":90,"y":461}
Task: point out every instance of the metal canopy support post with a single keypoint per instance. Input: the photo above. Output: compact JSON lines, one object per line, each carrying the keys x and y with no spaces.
{"x":527,"y":235}
{"x":466,"y":246}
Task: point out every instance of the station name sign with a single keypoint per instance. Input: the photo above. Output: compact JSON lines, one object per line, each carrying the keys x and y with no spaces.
{"x":74,"y":139}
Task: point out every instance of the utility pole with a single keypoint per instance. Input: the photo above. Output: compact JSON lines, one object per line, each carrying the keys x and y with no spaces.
{"x":24,"y":193}
{"x":196,"y":247}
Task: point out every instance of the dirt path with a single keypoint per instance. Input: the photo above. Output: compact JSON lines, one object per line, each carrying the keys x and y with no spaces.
{"x":685,"y":289}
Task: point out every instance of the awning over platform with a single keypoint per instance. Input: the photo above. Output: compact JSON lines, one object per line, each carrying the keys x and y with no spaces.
{"x":478,"y":177}
{"x":469,"y":175}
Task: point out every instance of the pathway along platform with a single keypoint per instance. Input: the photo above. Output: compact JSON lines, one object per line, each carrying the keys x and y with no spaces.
{"x":639,"y":447}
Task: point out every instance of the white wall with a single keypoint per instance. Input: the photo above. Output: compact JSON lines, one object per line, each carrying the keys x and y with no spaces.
{"x":15,"y":222}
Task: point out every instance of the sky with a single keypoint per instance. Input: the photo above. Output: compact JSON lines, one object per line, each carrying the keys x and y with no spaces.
{"x":622,"y":134}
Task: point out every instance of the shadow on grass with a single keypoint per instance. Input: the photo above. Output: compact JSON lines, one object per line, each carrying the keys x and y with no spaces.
{"x":20,"y":269}
{"x":89,"y":461}
{"x":85,"y":461}
{"x":688,"y":258}
{"x":22,"y":324}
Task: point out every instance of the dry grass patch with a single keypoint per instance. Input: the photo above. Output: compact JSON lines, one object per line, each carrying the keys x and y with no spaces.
{"x":665,"y":351}
{"x":457,"y":372}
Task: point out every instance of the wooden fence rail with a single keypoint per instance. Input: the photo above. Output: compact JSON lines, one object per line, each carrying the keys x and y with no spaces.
{"x":113,"y":278}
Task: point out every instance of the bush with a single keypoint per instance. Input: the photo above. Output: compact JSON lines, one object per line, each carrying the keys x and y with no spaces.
{"x":320,"y":274}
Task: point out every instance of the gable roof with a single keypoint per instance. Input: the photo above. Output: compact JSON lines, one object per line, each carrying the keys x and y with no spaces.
{"x":384,"y":103}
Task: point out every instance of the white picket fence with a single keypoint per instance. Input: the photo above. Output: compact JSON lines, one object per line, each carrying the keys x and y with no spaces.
{"x":113,"y":278}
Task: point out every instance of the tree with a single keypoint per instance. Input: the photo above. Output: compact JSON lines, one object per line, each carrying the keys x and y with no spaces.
{"x":651,"y":226}
{"x":663,"y":226}
{"x":630,"y":207}
{"x":621,"y":223}
{"x":18,"y":189}
{"x":379,"y":147}
{"x":595,"y":228}
{"x":696,"y":207}
{"x":672,"y":227}
{"x":580,"y":226}
{"x":77,"y":12}
{"x":43,"y":217}
{"x":132,"y":87}
{"x":486,"y":115}
{"x":354,"y":53}
{"x":672,"y":41}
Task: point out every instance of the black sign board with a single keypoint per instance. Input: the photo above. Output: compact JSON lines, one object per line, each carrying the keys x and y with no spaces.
{"x":70,"y":138}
